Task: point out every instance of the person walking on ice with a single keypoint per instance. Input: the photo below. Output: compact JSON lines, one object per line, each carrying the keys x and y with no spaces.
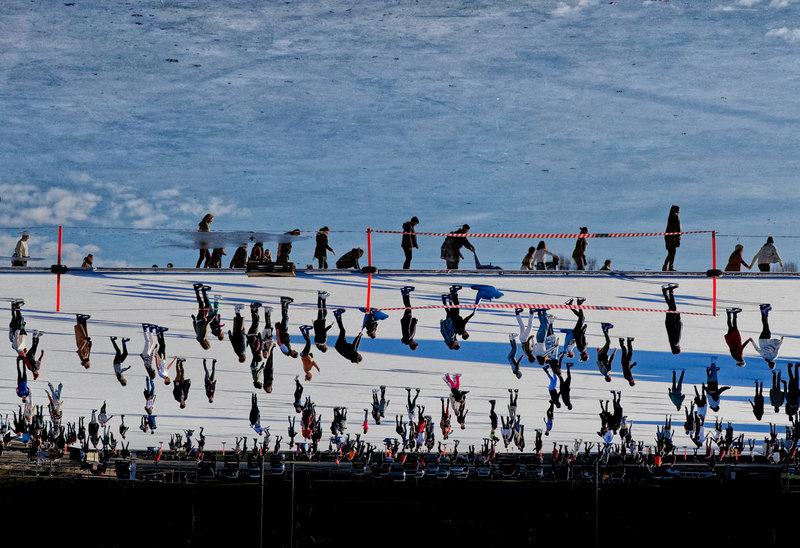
{"x":767,"y":346}
{"x":733,"y":338}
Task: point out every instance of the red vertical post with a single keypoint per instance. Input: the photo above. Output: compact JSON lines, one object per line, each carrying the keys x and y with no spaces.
{"x":369,"y":262}
{"x":58,"y":276}
{"x":714,"y":266}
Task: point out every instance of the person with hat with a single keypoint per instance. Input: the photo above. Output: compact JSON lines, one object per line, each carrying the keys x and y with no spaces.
{"x":321,"y":251}
{"x":736,"y":262}
{"x":21,"y":250}
{"x":579,"y":254}
{"x":409,"y":240}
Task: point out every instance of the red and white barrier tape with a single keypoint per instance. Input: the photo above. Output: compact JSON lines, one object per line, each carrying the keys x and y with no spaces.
{"x":540,"y":236}
{"x":550,"y":307}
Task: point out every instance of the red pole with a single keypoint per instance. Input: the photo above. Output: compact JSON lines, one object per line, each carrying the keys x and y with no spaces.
{"x":58,"y":276}
{"x":714,"y":266}
{"x":369,"y":261}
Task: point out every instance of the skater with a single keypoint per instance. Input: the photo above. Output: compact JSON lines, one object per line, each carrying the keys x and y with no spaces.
{"x":578,"y":332}
{"x":322,"y":248}
{"x":282,"y":329}
{"x":548,"y":421}
{"x":540,"y":258}
{"x":758,"y":406}
{"x":448,"y":332}
{"x":21,"y":251}
{"x":546,"y":347}
{"x":455,"y":387}
{"x":676,"y":395}
{"x":625,"y":360}
{"x":320,"y":329}
{"x":210,"y":380}
{"x":459,"y":322}
{"x":255,"y":414}
{"x":238,"y":336}
{"x":181,"y":385}
{"x":347,"y":350}
{"x":203,"y":318}
{"x":149,"y":395}
{"x":527,"y":260}
{"x":551,"y":388}
{"x":371,"y":319}
{"x":119,"y":359}
{"x":733,"y":338}
{"x":767,"y":255}
{"x":16,"y":328}
{"x":409,"y":240}
{"x":82,"y":340}
{"x":267,"y":350}
{"x":512,"y":359}
{"x":204,"y":226}
{"x":451,"y":248}
{"x":579,"y":253}
{"x":149,"y":351}
{"x":672,"y":241}
{"x":603,"y":360}
{"x":565,"y":386}
{"x":162,"y":368}
{"x":776,"y":394}
{"x":673,"y":321}
{"x":408,"y":323}
{"x":736,"y":262}
{"x":306,"y":356}
{"x":713,"y":390}
{"x":22,"y":380}
{"x":766,"y":346}
{"x":31,"y":362}
{"x":350,"y":259}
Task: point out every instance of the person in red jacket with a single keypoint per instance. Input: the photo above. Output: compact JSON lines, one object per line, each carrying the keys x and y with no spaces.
{"x":734,"y":339}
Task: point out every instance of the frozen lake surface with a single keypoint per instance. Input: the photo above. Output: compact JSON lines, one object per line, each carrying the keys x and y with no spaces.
{"x":510,"y":116}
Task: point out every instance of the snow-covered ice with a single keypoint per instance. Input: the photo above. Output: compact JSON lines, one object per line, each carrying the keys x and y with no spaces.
{"x":119,"y":301}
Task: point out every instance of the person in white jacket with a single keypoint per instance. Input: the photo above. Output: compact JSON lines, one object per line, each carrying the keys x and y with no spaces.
{"x":767,"y":346}
{"x":767,"y":255}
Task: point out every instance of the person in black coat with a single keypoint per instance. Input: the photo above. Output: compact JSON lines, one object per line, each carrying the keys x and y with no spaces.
{"x":321,"y":251}
{"x":672,"y":242}
{"x":409,"y":240}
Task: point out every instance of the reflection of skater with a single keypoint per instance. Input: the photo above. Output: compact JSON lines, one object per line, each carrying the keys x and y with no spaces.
{"x":512,"y":359}
{"x":627,"y":356}
{"x":282,"y":329}
{"x":408,"y":323}
{"x":713,"y":390}
{"x":603,"y":360}
{"x":82,"y":340}
{"x":676,"y":391}
{"x":409,"y":241}
{"x":673,"y":321}
{"x":22,"y":380}
{"x":346,"y":349}
{"x":454,"y":312}
{"x":203,"y":226}
{"x":451,"y":248}
{"x":320,"y":329}
{"x":203,"y":318}
{"x":734,"y":339}
{"x":119,"y":359}
{"x":767,"y":346}
{"x":210,"y":380}
{"x":672,"y":242}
